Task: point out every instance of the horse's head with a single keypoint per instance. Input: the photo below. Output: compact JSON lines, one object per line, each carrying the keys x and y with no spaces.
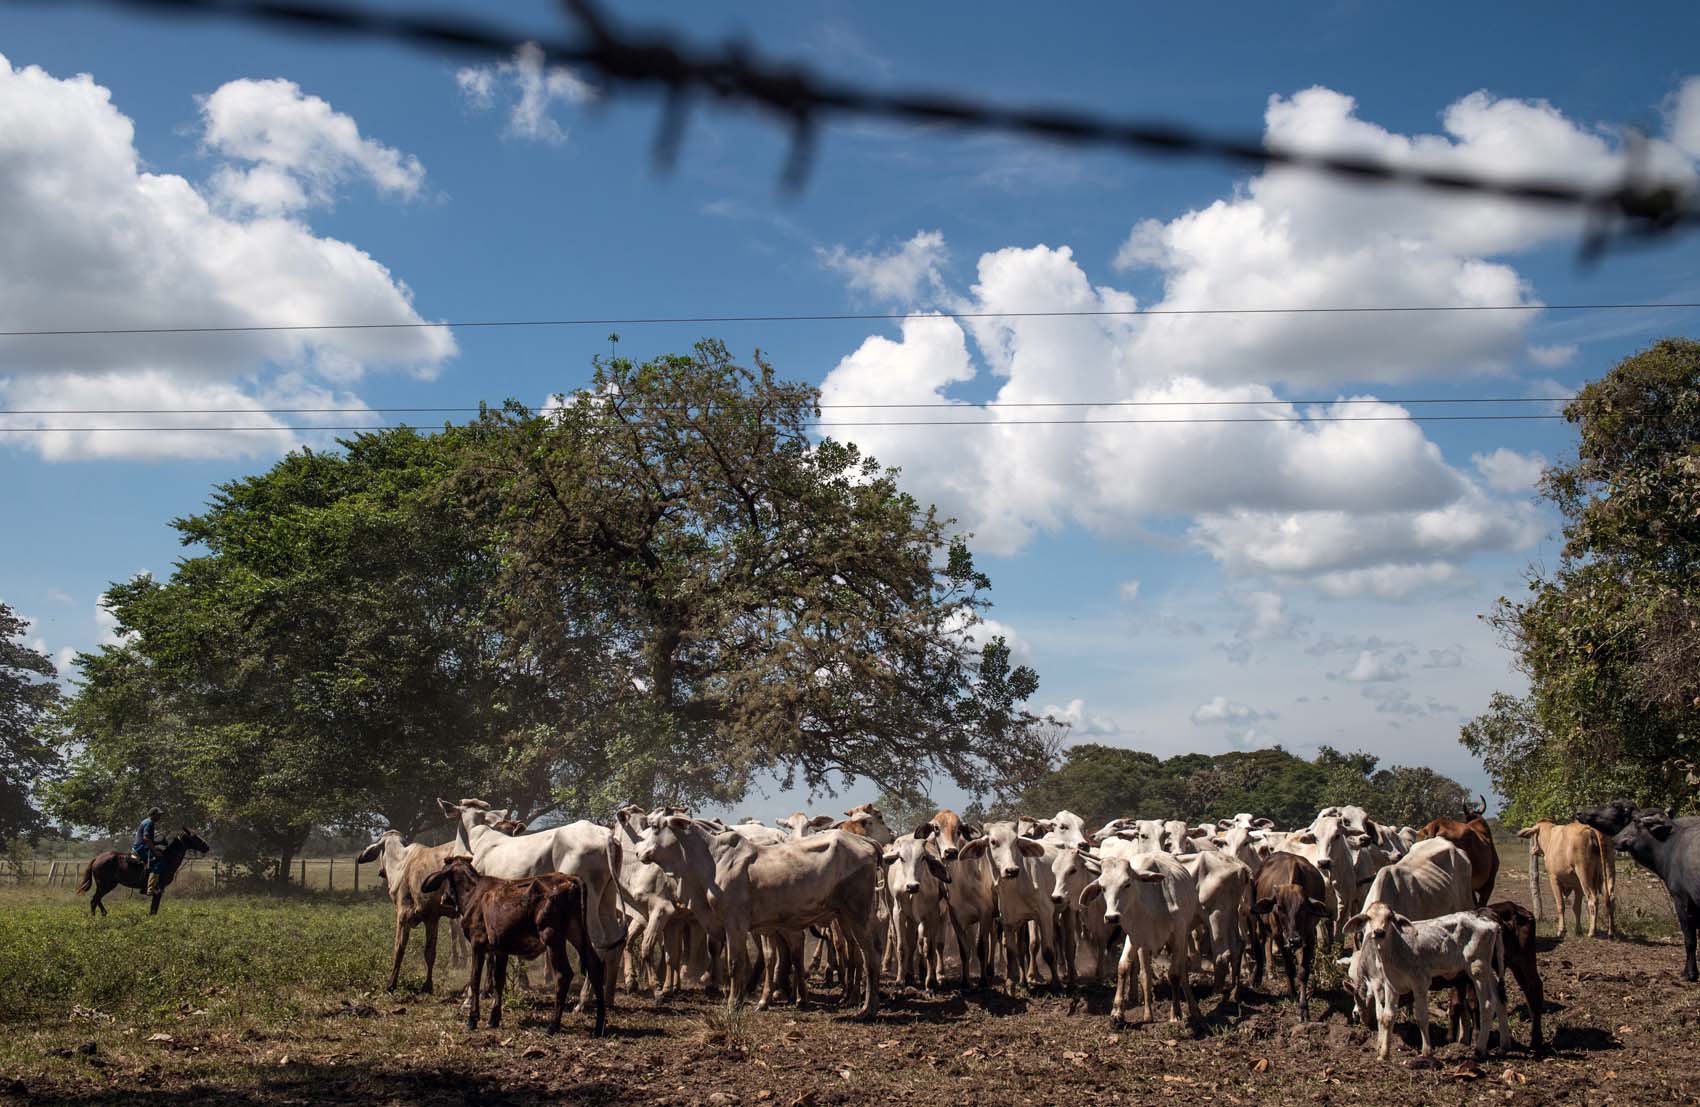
{"x":192,"y":842}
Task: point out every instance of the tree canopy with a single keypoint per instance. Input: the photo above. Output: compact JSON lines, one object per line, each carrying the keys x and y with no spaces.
{"x":27,"y":696}
{"x":658,"y":589}
{"x":1608,"y":637}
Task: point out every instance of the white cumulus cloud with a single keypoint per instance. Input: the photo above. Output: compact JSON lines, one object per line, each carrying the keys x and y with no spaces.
{"x":300,"y":150}
{"x":1220,"y":709}
{"x":1375,"y":667}
{"x":898,"y":276}
{"x":1082,"y":723}
{"x":1509,"y":471}
{"x":76,"y":200}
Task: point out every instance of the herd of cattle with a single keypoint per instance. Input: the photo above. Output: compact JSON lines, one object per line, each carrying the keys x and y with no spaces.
{"x":680,"y":901}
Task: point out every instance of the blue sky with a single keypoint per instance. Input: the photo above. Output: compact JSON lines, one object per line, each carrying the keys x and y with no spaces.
{"x":1203,"y":587}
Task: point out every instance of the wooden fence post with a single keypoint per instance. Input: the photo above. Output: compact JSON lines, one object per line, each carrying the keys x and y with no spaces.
{"x":330,"y":875}
{"x":357,"y":876}
{"x":303,"y":874}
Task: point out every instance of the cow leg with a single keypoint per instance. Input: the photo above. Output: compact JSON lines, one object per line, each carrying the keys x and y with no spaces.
{"x":1046,"y":925}
{"x":1123,"y":968}
{"x":1419,"y":1008}
{"x":430,"y":952}
{"x":472,"y":985}
{"x":499,"y":988}
{"x":1014,"y":968}
{"x":1146,"y":983}
{"x":1180,"y":977}
{"x":1688,"y":916}
{"x":1307,"y":953}
{"x":556,"y":948}
{"x":401,"y":931}
{"x":737,"y":966}
{"x":1384,"y":1012}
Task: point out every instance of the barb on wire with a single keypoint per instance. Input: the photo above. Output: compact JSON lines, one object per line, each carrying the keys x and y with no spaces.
{"x":1639,"y":206}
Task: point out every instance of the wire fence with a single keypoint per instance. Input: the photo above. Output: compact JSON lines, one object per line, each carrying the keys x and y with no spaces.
{"x":311,"y":874}
{"x":1639,"y":205}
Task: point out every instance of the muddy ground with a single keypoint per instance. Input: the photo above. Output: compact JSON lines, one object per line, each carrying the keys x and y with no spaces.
{"x":1622,"y":1028}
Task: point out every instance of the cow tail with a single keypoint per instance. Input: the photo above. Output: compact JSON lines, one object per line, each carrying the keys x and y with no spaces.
{"x":88,"y":878}
{"x":614,"y":859}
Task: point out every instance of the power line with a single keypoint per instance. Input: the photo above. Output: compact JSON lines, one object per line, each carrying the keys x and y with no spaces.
{"x":833,"y":317}
{"x":801,"y":99}
{"x":944,"y":404}
{"x":834,"y":425}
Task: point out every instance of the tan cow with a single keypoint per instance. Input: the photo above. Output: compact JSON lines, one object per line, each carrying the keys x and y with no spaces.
{"x":1579,"y":864}
{"x":404,"y":869}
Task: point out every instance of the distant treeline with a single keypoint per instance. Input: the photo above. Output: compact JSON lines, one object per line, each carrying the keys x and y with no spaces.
{"x":1102,"y":782}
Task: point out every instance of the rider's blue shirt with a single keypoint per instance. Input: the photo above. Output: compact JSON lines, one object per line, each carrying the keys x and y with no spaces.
{"x":144,"y":834}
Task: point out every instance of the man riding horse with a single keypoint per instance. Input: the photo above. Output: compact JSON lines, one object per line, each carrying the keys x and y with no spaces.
{"x":146,"y":851}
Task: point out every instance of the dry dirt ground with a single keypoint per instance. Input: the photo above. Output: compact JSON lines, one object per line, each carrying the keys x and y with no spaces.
{"x":1622,"y":1027}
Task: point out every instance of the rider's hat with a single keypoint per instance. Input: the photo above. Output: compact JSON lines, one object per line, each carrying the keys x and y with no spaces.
{"x":152,"y":811}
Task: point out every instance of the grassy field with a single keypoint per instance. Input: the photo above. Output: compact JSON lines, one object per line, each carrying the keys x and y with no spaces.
{"x":277,"y":1001}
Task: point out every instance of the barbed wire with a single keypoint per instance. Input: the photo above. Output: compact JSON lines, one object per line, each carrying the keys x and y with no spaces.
{"x":844,"y":317}
{"x":835,"y":424}
{"x":1638,"y":206}
{"x":375,"y":409}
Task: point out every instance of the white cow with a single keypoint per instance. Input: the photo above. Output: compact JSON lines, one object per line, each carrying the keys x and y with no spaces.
{"x":1326,"y":844}
{"x":750,"y":889}
{"x":1432,"y":880}
{"x":1154,"y":899}
{"x":1022,"y":874}
{"x":583,"y":849}
{"x":1224,"y":889}
{"x":917,"y":879}
{"x":1403,"y":955}
{"x":801,"y":825}
{"x":1072,"y":869}
{"x":972,"y":893}
{"x":660,"y":919}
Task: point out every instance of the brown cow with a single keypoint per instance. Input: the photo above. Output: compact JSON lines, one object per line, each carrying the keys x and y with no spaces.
{"x":404,"y":869}
{"x":521,"y":918}
{"x":1287,"y":903}
{"x":1470,"y":834}
{"x":1579,"y":864}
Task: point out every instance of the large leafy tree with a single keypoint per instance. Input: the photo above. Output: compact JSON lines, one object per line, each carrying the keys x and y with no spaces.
{"x":319,"y":661}
{"x":751,"y":600}
{"x":27,"y":696}
{"x":1608,"y":638}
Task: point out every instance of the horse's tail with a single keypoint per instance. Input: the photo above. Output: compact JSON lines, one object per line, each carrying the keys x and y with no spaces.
{"x":88,"y":878}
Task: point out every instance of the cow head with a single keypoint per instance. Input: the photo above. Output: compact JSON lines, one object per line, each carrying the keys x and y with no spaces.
{"x":1072,"y":869}
{"x":801,"y":825}
{"x":663,"y":840}
{"x":913,"y":866}
{"x":1291,"y":914}
{"x":1378,"y":923}
{"x":1642,"y":838}
{"x":870,"y":824}
{"x":455,"y":879}
{"x":1119,"y":882}
{"x":1007,"y":849}
{"x":951,"y":833}
{"x":1611,"y":818}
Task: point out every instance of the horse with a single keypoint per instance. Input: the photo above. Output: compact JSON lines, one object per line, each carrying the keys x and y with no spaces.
{"x":120,"y":866}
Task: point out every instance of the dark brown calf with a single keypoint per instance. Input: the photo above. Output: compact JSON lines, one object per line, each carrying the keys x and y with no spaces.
{"x":521,"y":918}
{"x":1286,"y":905}
{"x":1472,"y":835}
{"x":1517,"y":933}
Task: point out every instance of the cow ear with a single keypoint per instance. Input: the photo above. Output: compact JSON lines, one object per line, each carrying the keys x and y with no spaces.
{"x":1224,"y":824}
{"x":1317,"y":908}
{"x":1526,"y":832}
{"x":1029,"y":847}
{"x":1403,"y":923}
{"x":1091,"y":892}
{"x":1266,"y":824}
{"x":821,"y":822}
{"x":370,"y":853}
{"x":1148,"y":878}
{"x":1353,"y":924}
{"x":679,"y":822}
{"x":923,"y":831}
{"x":449,"y":809}
{"x":888,"y":857}
{"x":1263,"y":906}
{"x":1198,"y":832}
{"x":434,"y":881}
{"x":1370,"y":827}
{"x":940,"y":873}
{"x":973,"y":830}
{"x":1305,"y":837}
{"x":976,"y":848}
